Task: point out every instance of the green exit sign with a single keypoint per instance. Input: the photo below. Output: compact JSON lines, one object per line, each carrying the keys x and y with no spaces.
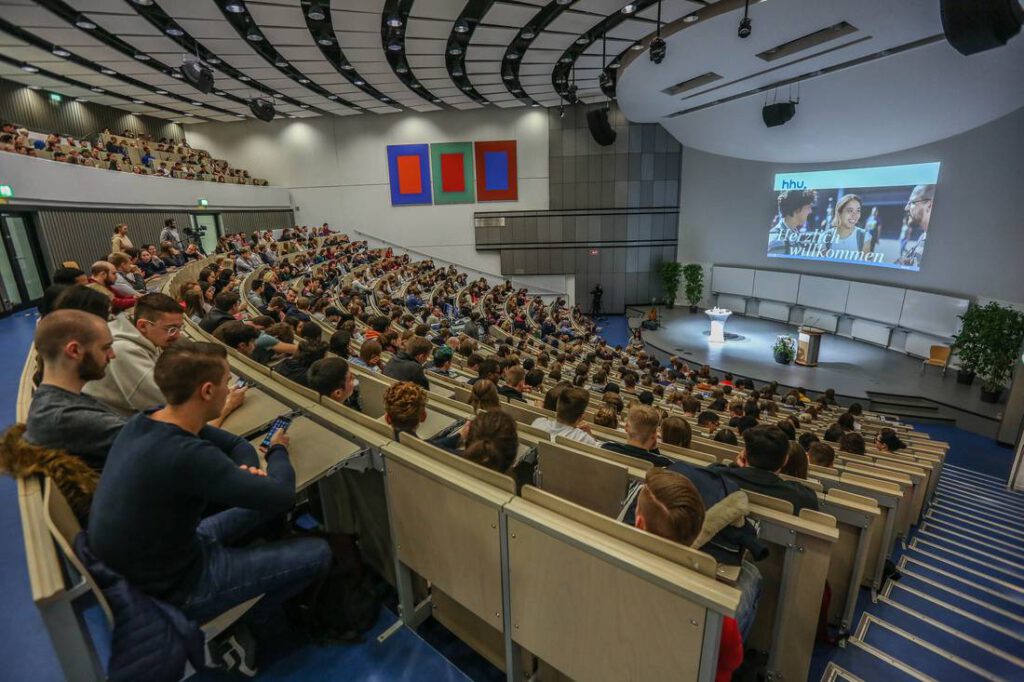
{"x":204,"y":203}
{"x":6,"y":192}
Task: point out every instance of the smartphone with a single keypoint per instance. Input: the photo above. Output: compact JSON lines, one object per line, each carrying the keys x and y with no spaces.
{"x":241,"y":383}
{"x":281,"y":423}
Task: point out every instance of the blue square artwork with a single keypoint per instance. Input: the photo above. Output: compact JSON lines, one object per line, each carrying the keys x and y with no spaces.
{"x":495,"y":171}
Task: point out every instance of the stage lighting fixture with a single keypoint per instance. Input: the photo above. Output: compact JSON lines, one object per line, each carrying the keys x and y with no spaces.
{"x":263,"y":109}
{"x":605,"y":80}
{"x":658,"y":50}
{"x":973,"y":27}
{"x":316,"y":12}
{"x":235,"y":7}
{"x":778,"y":113}
{"x":197,"y":74}
{"x":746,"y":26}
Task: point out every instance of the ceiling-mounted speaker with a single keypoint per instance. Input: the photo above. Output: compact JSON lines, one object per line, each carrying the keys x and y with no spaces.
{"x":199,"y":75}
{"x":778,"y":113}
{"x":980,"y":25}
{"x":600,"y":128}
{"x":263,"y":109}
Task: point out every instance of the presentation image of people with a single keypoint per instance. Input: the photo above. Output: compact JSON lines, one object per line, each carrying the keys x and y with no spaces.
{"x":864,"y":216}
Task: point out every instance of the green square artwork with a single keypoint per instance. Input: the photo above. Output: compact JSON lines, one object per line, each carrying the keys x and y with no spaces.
{"x":451,"y":166}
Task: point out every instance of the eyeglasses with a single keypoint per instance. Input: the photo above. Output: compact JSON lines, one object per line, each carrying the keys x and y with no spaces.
{"x":917,"y":201}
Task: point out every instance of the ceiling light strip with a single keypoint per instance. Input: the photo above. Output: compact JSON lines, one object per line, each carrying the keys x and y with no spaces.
{"x":459,"y":39}
{"x":394,"y":19}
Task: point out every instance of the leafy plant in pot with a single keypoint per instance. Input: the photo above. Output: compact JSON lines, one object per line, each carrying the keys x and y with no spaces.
{"x":967,"y":346}
{"x":784,"y":350}
{"x":671,"y":275}
{"x":694,"y":276}
{"x":1000,"y":335}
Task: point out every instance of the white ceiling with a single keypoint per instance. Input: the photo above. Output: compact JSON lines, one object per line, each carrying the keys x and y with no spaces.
{"x":894,"y":102}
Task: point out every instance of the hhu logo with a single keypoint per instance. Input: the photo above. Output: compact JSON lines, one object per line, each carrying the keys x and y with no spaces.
{"x":794,"y":184}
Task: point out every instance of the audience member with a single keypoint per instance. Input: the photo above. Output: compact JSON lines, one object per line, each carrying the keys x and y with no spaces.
{"x":821,"y":454}
{"x":405,"y":407}
{"x":492,"y":441}
{"x":642,"y":431}
{"x":757,"y":466}
{"x":407,"y":365}
{"x":853,"y":443}
{"x":569,"y":414}
{"x":676,"y":431}
{"x":225,"y":307}
{"x":796,"y":461}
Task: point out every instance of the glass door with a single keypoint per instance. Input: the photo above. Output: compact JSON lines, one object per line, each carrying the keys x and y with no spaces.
{"x":22,"y":275}
{"x":206,"y":225}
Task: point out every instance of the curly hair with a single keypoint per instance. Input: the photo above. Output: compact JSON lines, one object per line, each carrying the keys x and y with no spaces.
{"x":404,"y":404}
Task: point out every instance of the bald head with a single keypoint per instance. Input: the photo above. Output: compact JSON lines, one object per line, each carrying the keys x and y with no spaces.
{"x":74,"y":335}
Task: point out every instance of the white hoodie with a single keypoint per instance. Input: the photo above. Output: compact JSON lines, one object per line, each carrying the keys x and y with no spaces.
{"x":128,"y":385}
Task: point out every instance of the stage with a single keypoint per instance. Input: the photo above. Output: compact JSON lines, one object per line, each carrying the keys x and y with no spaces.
{"x":856,"y":370}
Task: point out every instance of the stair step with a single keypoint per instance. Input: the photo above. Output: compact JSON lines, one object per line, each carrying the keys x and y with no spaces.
{"x":960,"y":593}
{"x":999,"y":635}
{"x":954,"y":567}
{"x":929,"y":649}
{"x":999,"y":491}
{"x":868,"y":664}
{"x":964,"y":542}
{"x":957,"y":505}
{"x":957,"y":555}
{"x":984,"y":499}
{"x":935,"y":519}
{"x":884,"y":404}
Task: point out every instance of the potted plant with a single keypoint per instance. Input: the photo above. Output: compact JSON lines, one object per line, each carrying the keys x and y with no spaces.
{"x":784,"y":349}
{"x":694,"y":276}
{"x":671,"y":274}
{"x":966,"y":345}
{"x":1000,"y":333}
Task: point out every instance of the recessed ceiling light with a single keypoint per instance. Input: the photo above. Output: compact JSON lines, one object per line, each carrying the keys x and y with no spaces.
{"x":235,"y":7}
{"x":239,"y":115}
{"x":509,"y":77}
{"x":81,"y":99}
{"x":455,"y":50}
{"x":395,"y":46}
{"x":177,"y":74}
{"x":213,"y":60}
{"x":332,"y":97}
{"x":582,"y":40}
{"x":401,"y":69}
{"x":254,"y":36}
{"x":220,"y":93}
{"x":316,"y":13}
{"x":394,"y":21}
{"x":325,"y":41}
{"x":629,"y":9}
{"x":458,"y":72}
{"x":563,"y":3}
{"x":359,"y":81}
{"x":638,"y":46}
{"x":613,"y":65}
{"x":108,"y":72}
{"x":292,"y":116}
{"x":96,"y":89}
{"x":161,"y":92}
{"x":34,"y":87}
{"x":174,"y":31}
{"x":513,"y":55}
{"x":467,"y":87}
{"x":142,"y":57}
{"x":137,"y":101}
{"x":566,"y":59}
{"x":416,"y":85}
{"x":436,"y":100}
{"x":281,"y":63}
{"x":461,"y":27}
{"x":528,"y":34}
{"x":144,"y":3}
{"x":690,"y":18}
{"x":385,"y":99}
{"x":534,"y":105}
{"x":61,"y":52}
{"x":29,"y":68}
{"x":304,"y":81}
{"x":83,"y":23}
{"x":196,"y":104}
{"x":348,"y":67}
{"x":304,"y":106}
{"x":244,"y":78}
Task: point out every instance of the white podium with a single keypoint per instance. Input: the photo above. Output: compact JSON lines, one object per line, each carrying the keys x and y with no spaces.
{"x":718,"y":316}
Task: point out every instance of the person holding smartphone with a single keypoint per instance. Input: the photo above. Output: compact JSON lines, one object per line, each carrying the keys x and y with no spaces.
{"x":166,"y":467}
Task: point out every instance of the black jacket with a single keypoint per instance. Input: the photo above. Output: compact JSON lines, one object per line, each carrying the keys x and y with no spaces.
{"x":213,"y":319}
{"x":768,"y":483}
{"x":405,"y":368}
{"x":652,"y":456}
{"x":511,"y":393}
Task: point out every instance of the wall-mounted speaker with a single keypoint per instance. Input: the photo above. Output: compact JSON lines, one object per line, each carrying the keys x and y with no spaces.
{"x":600,"y":128}
{"x":263,"y":109}
{"x":199,"y":75}
{"x":979,"y":25}
{"x":778,"y":113}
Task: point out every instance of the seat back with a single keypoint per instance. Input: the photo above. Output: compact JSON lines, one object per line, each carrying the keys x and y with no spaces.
{"x":64,"y":528}
{"x":938,"y":354}
{"x":592,"y":482}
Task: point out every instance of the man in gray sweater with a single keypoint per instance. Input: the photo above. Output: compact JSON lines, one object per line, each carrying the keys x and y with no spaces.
{"x":76,"y":347}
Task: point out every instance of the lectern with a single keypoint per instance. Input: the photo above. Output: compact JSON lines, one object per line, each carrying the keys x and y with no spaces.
{"x":808,"y":342}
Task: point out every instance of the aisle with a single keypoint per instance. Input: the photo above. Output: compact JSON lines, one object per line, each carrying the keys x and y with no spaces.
{"x":957,"y":610}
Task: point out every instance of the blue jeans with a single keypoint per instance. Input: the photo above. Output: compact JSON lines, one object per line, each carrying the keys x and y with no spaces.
{"x":233,"y":575}
{"x":749,"y":585}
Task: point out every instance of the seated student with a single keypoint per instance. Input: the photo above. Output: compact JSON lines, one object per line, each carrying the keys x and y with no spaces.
{"x":515,"y":383}
{"x":488,"y":369}
{"x":806,"y":438}
{"x":718,"y":403}
{"x":102,"y":279}
{"x":405,"y":407}
{"x":735,"y":412}
{"x":295,"y":367}
{"x":708,"y":420}
{"x":139,"y":337}
{"x":888,"y":441}
{"x":569,"y":413}
{"x":857,"y":412}
{"x":846,"y":422}
{"x":727,"y":436}
{"x":492,"y":441}
{"x":607,"y":417}
{"x":225,"y":307}
{"x":407,"y":364}
{"x":75,"y":347}
{"x":834,"y":433}
{"x":642,"y":431}
{"x":747,"y":422}
{"x":852,"y":443}
{"x":796,"y":461}
{"x":369,"y":355}
{"x":442,"y":361}
{"x":787,"y":428}
{"x":331,"y":378}
{"x":821,"y":454}
{"x":484,"y":396}
{"x":150,"y":265}
{"x":670,"y":506}
{"x":757,"y":466}
{"x":239,"y":336}
{"x":676,"y":431}
{"x":165,"y":469}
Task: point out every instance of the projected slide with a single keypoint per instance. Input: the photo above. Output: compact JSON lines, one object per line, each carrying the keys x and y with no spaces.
{"x":864,"y":216}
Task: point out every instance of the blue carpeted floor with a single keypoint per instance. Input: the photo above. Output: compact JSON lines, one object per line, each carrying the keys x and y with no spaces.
{"x":614,"y":329}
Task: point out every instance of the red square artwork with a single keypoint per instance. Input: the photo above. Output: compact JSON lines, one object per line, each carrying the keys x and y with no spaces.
{"x":453,"y":175}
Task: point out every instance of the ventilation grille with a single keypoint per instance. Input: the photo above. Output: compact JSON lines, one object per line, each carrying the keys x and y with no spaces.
{"x":808,"y":41}
{"x":696,"y":82}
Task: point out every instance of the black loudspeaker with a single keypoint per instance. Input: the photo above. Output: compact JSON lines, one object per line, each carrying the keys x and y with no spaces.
{"x":778,"y":113}
{"x":978,"y":25}
{"x":262,"y":109}
{"x":600,"y":128}
{"x":199,"y":75}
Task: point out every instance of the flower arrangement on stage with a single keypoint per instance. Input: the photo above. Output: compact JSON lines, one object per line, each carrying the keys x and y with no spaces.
{"x":784,"y":349}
